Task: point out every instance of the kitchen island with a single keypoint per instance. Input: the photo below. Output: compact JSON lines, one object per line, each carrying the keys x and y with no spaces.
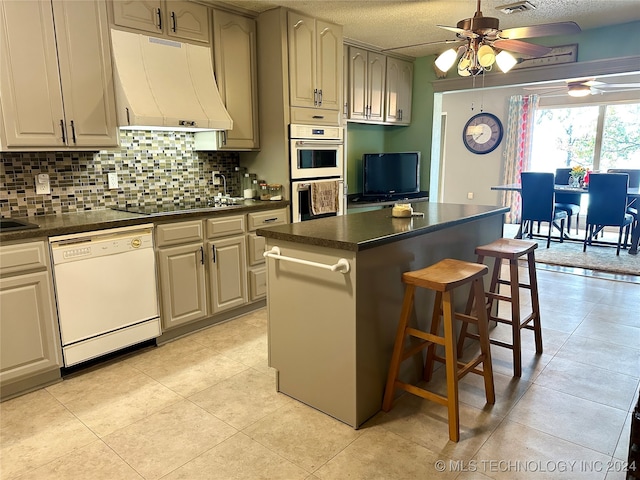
{"x":333,"y":317}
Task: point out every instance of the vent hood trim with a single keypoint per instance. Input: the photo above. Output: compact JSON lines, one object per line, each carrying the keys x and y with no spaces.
{"x":165,"y":85}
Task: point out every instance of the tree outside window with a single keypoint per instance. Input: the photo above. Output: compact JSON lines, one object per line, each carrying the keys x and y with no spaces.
{"x":597,"y":137}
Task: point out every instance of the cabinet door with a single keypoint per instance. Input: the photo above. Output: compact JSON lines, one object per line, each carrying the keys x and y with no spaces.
{"x":182,"y":284}
{"x":236,"y":74}
{"x":329,"y":65}
{"x":358,"y":91}
{"x":29,"y":337}
{"x":399,"y":85}
{"x":84,"y":56}
{"x":187,"y":20}
{"x":145,"y":15}
{"x":30,"y":89}
{"x":256,"y":249}
{"x":376,"y":70}
{"x":257,"y":284}
{"x":303,"y":91}
{"x":227,"y":273}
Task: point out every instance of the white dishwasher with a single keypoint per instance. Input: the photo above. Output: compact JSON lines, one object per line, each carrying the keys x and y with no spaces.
{"x":106,"y":291}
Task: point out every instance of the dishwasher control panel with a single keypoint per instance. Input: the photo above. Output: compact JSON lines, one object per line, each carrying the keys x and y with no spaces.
{"x":99,"y":244}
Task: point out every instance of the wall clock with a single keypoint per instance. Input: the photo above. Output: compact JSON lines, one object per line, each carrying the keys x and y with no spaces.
{"x":482,"y":133}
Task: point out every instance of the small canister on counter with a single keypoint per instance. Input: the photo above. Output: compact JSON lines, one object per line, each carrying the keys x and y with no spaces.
{"x":264,"y":191}
{"x":275,"y":191}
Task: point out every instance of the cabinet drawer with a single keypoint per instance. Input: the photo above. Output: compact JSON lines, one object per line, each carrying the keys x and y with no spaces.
{"x":266,"y":219}
{"x":256,"y":249}
{"x":257,"y":283}
{"x":177,"y":233}
{"x":315,"y":116}
{"x":22,"y":257}
{"x":222,"y":226}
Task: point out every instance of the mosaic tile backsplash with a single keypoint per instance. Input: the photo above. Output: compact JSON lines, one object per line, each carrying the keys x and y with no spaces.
{"x":152,"y":168}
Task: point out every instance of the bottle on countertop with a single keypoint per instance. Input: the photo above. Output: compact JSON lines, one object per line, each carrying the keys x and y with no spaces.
{"x":264,"y":191}
{"x":248,"y":187}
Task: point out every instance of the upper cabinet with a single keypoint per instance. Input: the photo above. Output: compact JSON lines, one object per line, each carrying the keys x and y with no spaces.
{"x":56,"y":80}
{"x":235,"y":59}
{"x":378,"y":87}
{"x":315,"y":69}
{"x":176,"y":19}
{"x":366,"y":85}
{"x":399,"y":87}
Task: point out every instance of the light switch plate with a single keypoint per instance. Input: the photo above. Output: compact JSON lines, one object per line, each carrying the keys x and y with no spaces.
{"x":216,"y":179}
{"x":112,"y":178}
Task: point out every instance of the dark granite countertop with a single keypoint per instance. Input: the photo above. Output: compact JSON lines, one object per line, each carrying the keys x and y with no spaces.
{"x":359,"y":231}
{"x":78,"y":222}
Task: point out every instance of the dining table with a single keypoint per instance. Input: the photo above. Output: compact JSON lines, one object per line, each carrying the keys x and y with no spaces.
{"x":633,"y":195}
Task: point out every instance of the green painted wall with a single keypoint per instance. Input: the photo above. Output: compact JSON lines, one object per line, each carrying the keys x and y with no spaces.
{"x":595,"y":44}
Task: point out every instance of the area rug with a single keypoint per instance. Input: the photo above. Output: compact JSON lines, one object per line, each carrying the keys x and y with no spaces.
{"x":597,"y":257}
{"x":569,"y":254}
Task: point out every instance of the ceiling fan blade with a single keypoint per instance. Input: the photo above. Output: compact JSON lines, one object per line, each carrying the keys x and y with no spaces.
{"x":522,"y":47}
{"x":544,"y":30}
{"x":454,"y":29}
{"x":438,"y":42}
{"x":606,"y":86}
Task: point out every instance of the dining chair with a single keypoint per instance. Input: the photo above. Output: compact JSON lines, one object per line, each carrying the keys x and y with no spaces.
{"x":607,"y":206}
{"x":538,"y":203}
{"x":634,"y":182}
{"x":569,"y":202}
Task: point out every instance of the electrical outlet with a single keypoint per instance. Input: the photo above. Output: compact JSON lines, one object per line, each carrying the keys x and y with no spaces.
{"x":470,"y":195}
{"x":216,"y":178}
{"x":43,"y":187}
{"x":112,"y":179}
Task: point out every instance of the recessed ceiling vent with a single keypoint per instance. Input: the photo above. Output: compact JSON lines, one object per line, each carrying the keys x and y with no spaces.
{"x":516,"y":7}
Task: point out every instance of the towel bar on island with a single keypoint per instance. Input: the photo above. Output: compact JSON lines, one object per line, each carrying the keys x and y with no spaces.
{"x":342,"y":265}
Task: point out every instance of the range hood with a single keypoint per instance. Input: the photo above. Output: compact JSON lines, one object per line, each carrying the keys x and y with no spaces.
{"x":165,"y":85}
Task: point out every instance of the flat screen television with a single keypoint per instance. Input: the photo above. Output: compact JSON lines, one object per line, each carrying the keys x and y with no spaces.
{"x":390,"y":175}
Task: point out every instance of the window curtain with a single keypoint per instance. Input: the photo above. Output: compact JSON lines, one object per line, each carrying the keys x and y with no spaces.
{"x":517,"y":151}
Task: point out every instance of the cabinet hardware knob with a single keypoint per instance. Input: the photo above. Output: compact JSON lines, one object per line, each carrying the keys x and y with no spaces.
{"x":213,"y":249}
{"x":173,"y":22}
{"x":202,"y":255}
{"x":73,"y":132}
{"x":159,"y":14}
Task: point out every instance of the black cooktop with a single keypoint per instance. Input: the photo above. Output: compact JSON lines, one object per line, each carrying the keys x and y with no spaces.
{"x":165,"y":207}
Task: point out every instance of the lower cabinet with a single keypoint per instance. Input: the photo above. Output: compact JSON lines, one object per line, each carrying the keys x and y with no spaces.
{"x":29,"y":338}
{"x":257,"y":270}
{"x":202,"y":268}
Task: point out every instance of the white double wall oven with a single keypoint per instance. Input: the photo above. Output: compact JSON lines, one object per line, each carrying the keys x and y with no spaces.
{"x":316,"y":156}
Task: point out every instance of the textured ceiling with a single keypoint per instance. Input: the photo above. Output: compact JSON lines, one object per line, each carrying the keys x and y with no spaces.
{"x":389,"y":24}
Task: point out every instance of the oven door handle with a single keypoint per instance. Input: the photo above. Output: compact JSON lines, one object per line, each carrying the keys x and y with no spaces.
{"x":327,"y":145}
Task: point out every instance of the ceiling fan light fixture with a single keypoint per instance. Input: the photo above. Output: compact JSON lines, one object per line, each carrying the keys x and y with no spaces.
{"x":445,"y":60}
{"x":579,"y":90}
{"x":505,"y":61}
{"x":486,"y":56}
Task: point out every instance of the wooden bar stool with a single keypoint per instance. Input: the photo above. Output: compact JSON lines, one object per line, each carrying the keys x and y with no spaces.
{"x":512,"y":250}
{"x":443,"y":277}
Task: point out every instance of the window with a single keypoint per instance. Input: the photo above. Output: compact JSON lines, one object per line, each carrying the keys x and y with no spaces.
{"x":597,"y":137}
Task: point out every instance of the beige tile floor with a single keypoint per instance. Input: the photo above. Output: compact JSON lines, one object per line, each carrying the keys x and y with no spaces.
{"x":205,"y":407}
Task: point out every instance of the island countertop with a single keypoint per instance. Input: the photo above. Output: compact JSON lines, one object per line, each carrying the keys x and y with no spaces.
{"x":361,"y":231}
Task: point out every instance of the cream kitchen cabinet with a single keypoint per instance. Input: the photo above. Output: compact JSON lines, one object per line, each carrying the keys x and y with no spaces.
{"x":176,"y":19}
{"x":234,"y":51}
{"x":56,"y":79}
{"x":30,"y":354}
{"x":315,"y":69}
{"x":181,"y":268}
{"x":202,"y":268}
{"x":257,"y":271}
{"x":367,"y":72}
{"x":399,"y":91}
{"x":227,"y":247}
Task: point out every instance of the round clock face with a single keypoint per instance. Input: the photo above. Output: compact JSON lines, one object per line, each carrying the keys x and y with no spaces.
{"x":482,"y":133}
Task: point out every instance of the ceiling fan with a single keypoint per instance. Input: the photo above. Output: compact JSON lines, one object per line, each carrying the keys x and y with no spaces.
{"x":483,"y":43}
{"x":584,"y":87}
